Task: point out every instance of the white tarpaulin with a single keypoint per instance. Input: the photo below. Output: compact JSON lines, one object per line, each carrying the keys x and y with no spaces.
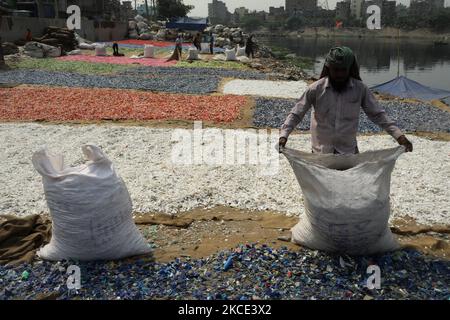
{"x":346,"y":200}
{"x":90,"y":207}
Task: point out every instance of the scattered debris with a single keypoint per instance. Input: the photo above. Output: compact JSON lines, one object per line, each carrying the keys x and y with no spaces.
{"x":257,"y":272}
{"x":59,"y":37}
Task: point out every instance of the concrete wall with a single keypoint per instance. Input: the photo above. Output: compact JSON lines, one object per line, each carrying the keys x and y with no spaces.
{"x":14,"y":28}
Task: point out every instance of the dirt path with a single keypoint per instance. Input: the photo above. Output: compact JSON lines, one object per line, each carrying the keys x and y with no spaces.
{"x":202,"y":232}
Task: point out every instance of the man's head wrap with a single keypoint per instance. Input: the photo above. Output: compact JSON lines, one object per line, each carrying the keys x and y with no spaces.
{"x":341,"y":57}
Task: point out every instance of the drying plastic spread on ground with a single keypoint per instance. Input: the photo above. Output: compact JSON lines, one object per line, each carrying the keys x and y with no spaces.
{"x":119,"y":60}
{"x":60,"y":104}
{"x":422,"y":194}
{"x":282,"y":89}
{"x":230,"y":219}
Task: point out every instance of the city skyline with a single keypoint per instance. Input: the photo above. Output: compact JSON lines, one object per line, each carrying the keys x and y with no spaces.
{"x":201,"y":6}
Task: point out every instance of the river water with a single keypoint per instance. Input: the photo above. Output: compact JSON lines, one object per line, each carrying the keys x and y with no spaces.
{"x":420,"y":60}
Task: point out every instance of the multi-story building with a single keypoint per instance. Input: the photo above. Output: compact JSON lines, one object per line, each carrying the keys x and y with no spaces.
{"x":273,"y":11}
{"x":218,"y":12}
{"x":142,"y":10}
{"x":238,"y":14}
{"x":389,"y":12}
{"x":241,"y":11}
{"x":421,"y":7}
{"x":438,"y":4}
{"x":343,"y":10}
{"x":258,"y":15}
{"x":305,"y":7}
{"x":126,"y":11}
{"x":43,"y":8}
{"x":356,"y":8}
{"x":276,"y":14}
{"x":432,"y":4}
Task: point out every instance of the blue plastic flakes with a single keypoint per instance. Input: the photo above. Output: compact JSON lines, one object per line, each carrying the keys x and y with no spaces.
{"x":252,"y":272}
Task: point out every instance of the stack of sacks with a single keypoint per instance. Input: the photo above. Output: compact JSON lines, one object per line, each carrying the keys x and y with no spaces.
{"x":132,"y":30}
{"x":144,"y":31}
{"x":139,"y":29}
{"x":161,"y":35}
{"x":40,"y":50}
{"x":59,"y":37}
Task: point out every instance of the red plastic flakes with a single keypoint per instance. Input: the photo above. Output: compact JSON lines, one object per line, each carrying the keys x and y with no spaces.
{"x":66,"y":104}
{"x":161,"y":44}
{"x":119,"y":60}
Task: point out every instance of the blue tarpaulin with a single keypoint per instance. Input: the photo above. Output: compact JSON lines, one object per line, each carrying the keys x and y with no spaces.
{"x":186,"y":23}
{"x":406,"y":88}
{"x":446,"y":101}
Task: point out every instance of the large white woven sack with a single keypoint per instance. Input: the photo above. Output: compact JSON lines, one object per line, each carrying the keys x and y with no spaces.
{"x":230,"y":55}
{"x":90,"y":208}
{"x":346,"y":200}
{"x":149,"y":51}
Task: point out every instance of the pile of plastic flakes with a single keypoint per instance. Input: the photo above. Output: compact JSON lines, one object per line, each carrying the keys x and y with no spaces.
{"x":272,"y":112}
{"x":118,"y":60}
{"x":63,"y":104}
{"x":247,"y":272}
{"x":201,"y":84}
{"x":279,"y":89}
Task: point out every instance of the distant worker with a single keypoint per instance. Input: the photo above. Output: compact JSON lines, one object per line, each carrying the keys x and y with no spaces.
{"x":241,"y":39}
{"x":116,"y":53}
{"x":28,"y":36}
{"x":337,"y":99}
{"x":179,"y":44}
{"x":211,"y":43}
{"x":178,"y":52}
{"x":197,"y":41}
{"x":250,"y":47}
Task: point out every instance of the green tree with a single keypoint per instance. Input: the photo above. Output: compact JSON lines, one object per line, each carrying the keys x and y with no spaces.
{"x":12,"y":3}
{"x":274,"y":25}
{"x":168,"y":9}
{"x":251,"y":23}
{"x":294,"y":23}
{"x":440,"y":21}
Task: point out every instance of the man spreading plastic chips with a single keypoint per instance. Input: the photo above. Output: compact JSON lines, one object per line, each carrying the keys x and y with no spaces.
{"x":337,"y":99}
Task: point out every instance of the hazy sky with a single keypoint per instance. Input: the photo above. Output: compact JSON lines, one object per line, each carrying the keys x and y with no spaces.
{"x":201,"y":6}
